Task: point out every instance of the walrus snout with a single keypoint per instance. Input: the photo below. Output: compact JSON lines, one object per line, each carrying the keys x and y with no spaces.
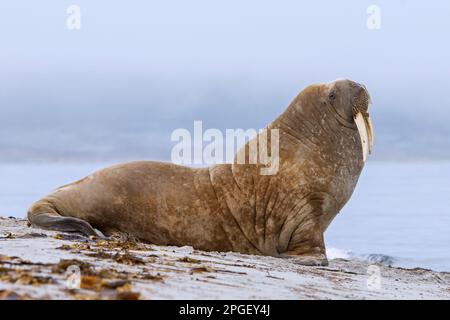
{"x":361,"y":99}
{"x":360,"y":106}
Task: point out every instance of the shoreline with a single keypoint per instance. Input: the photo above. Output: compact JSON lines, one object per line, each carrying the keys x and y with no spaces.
{"x":34,"y":265}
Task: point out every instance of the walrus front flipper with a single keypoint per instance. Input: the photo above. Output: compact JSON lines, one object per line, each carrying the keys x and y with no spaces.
{"x":319,"y":260}
{"x":307,"y":247}
{"x":42,"y":215}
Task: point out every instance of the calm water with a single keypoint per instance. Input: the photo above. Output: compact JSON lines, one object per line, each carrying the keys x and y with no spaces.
{"x":401,"y":210}
{"x":399,"y":213}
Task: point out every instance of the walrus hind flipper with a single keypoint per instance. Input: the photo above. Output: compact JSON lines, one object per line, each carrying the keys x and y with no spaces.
{"x":64,"y":224}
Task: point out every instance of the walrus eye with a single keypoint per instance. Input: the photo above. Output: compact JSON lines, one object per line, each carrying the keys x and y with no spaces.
{"x":332,"y":96}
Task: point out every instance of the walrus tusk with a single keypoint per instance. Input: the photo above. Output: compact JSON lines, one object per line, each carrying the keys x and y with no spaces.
{"x":370,"y":131}
{"x":365,"y":130}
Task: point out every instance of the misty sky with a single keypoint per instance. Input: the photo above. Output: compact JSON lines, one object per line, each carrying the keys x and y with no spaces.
{"x":139,"y":69}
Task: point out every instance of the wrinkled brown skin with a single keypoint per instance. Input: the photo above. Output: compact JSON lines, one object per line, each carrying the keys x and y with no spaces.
{"x":230,"y":207}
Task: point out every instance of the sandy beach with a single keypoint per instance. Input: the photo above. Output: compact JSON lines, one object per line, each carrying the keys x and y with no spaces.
{"x":37,"y":264}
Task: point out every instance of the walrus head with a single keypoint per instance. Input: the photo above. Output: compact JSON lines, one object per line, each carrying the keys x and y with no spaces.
{"x":351,"y":100}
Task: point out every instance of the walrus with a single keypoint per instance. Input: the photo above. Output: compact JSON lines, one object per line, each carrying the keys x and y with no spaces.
{"x":325,"y":135}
